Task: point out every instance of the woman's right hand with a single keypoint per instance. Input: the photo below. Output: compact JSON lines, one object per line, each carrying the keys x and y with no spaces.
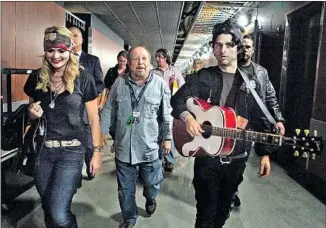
{"x":35,"y":110}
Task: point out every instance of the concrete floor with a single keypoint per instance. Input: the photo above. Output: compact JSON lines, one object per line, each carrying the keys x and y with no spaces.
{"x":277,"y":201}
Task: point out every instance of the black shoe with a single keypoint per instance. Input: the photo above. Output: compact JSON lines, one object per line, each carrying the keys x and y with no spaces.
{"x":90,"y":176}
{"x":168,"y":167}
{"x":79,"y":185}
{"x":150,"y":206}
{"x":236,"y":200}
{"x":127,"y":225}
{"x":228,"y":215}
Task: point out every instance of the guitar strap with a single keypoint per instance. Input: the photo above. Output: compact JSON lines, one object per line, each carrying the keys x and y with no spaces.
{"x":257,"y":98}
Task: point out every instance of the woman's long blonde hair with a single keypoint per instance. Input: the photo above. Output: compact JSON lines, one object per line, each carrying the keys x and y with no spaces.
{"x":72,"y":68}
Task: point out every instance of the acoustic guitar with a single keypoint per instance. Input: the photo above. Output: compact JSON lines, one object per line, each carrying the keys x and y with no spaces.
{"x":221,"y":133}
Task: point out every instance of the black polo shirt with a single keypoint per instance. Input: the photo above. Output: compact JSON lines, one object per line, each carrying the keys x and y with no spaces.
{"x":65,"y":121}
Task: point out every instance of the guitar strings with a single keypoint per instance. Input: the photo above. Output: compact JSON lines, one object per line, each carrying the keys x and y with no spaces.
{"x":286,"y":140}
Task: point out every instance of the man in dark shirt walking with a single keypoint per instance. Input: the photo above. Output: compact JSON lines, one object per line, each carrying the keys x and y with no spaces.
{"x":215,"y":180}
{"x":92,"y":65}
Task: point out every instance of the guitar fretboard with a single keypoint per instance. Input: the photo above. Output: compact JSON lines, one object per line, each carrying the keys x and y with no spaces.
{"x":251,"y":136}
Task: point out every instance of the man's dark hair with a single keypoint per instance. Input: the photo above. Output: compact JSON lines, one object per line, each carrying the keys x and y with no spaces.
{"x":229,"y":27}
{"x":248,"y":36}
{"x":165,"y":54}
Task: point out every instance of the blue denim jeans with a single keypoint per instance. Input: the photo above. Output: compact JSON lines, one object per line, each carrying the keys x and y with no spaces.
{"x":57,"y":176}
{"x":151,"y":176}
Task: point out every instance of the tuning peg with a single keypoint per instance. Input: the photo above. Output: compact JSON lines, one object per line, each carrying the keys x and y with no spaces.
{"x":306,"y":132}
{"x":315,"y":133}
{"x":297,"y":131}
{"x":296,"y":153}
{"x":313,"y":156}
{"x":305,"y":155}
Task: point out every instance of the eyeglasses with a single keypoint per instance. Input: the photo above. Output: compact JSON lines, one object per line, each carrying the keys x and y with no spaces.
{"x":247,"y":46}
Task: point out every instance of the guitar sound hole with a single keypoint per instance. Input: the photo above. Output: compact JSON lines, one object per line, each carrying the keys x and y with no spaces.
{"x":207,"y":127}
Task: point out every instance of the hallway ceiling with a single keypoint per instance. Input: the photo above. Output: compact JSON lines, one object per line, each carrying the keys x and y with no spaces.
{"x":153,"y":24}
{"x":180,"y":27}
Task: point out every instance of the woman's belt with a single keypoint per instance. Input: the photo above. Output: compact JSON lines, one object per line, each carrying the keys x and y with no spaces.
{"x":57,"y":143}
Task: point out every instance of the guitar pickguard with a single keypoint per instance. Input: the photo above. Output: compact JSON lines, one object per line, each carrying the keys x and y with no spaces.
{"x":213,"y":144}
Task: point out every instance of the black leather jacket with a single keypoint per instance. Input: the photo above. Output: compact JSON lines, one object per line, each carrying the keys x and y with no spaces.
{"x":112,"y":75}
{"x":267,"y":92}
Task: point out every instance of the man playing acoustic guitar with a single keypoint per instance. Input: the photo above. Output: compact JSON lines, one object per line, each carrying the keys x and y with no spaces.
{"x":216,"y":178}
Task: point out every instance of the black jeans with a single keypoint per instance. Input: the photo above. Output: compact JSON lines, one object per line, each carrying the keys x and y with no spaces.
{"x":57,"y":177}
{"x":215,"y":185}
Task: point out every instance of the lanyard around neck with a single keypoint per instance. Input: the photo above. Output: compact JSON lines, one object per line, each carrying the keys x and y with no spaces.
{"x":135,"y":100}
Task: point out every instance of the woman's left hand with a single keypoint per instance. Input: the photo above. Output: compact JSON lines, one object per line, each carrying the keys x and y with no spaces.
{"x":96,"y":162}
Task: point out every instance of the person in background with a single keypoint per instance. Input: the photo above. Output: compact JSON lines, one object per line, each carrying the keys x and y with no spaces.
{"x":173,"y":77}
{"x":119,"y":69}
{"x":92,"y":65}
{"x":138,"y":105}
{"x":197,"y":65}
{"x":60,"y":92}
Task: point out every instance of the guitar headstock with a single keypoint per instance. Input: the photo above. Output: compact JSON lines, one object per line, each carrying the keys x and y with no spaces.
{"x":307,"y":144}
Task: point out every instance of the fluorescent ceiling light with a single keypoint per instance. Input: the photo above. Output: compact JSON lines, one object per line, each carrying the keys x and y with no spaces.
{"x":243,"y":20}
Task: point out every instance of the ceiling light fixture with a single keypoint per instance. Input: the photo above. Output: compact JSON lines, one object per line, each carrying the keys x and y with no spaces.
{"x":243,"y":20}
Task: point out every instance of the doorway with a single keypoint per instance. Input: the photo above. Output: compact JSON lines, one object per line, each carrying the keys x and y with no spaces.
{"x":304,"y":26}
{"x":300,"y":54}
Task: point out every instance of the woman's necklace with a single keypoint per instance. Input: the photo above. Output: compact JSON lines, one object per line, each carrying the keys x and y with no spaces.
{"x":55,"y":95}
{"x":56,"y":82}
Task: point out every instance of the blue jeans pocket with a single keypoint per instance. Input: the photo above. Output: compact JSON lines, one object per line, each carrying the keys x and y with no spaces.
{"x":73,"y":149}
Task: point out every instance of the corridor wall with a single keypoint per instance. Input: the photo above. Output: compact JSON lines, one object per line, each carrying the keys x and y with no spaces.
{"x":22,"y":29}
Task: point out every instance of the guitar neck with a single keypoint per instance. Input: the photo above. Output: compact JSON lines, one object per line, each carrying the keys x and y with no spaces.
{"x":251,"y":136}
